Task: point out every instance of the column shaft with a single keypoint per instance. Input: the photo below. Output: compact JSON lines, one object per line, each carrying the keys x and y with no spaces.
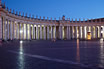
{"x":1,"y":32}
{"x":23,"y":32}
{"x":11,"y":30}
{"x":76,"y":32}
{"x":96,"y":32}
{"x":55,"y":32}
{"x":59,"y":32}
{"x":37,"y":32}
{"x":51,"y":33}
{"x":99,"y":31}
{"x":17,"y":30}
{"x":5,"y":28}
{"x":69,"y":31}
{"x":8,"y":28}
{"x":40,"y":31}
{"x":44,"y":32}
{"x":30,"y":31}
{"x":73,"y":32}
{"x":80,"y":32}
{"x":33,"y":32}
{"x":48,"y":32}
{"x":27,"y":31}
{"x":92,"y":32}
{"x":83,"y":32}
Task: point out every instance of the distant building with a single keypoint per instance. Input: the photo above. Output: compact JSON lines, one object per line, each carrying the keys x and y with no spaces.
{"x":13,"y":25}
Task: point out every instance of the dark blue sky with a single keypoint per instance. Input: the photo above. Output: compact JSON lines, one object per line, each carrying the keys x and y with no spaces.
{"x":57,"y":8}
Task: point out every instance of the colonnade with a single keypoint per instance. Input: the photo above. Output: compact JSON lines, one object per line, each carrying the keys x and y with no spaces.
{"x":27,"y":31}
{"x":14,"y":25}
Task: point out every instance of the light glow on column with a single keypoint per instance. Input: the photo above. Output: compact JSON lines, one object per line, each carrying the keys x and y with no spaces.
{"x":85,"y":31}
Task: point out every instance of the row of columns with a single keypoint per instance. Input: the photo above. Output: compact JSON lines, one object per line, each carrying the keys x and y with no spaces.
{"x":14,"y":30}
{"x":30,"y":31}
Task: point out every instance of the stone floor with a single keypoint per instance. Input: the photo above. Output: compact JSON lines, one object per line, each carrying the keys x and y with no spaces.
{"x":38,"y":54}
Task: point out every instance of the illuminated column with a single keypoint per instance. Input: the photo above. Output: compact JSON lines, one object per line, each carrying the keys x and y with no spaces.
{"x":67,"y":32}
{"x":33,"y":32}
{"x":14,"y":30}
{"x":83,"y":32}
{"x":69,"y":35}
{"x":99,"y":31}
{"x":51,"y":32}
{"x":80,"y":32}
{"x":20,"y":32}
{"x":62,"y":32}
{"x":8,"y":28}
{"x":27,"y":31}
{"x":5,"y":28}
{"x":17,"y":30}
{"x":92,"y":32}
{"x":59,"y":32}
{"x":55,"y":33}
{"x":11,"y":30}
{"x":103,"y":32}
{"x":72,"y":32}
{"x":40,"y":31}
{"x":47,"y":32}
{"x":30,"y":31}
{"x":44,"y":32}
{"x":1,"y":33}
{"x":76,"y":32}
{"x":37,"y":32}
{"x":23,"y":31}
{"x":96,"y":32}
{"x":87,"y":30}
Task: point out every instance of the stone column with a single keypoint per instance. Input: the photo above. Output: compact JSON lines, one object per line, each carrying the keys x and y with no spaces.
{"x":1,"y":32}
{"x":99,"y":31}
{"x":20,"y":32}
{"x":37,"y":32}
{"x":10,"y":30}
{"x":103,"y":33}
{"x":83,"y":32}
{"x":87,"y":30}
{"x":33,"y":32}
{"x":17,"y":30}
{"x":51,"y":33}
{"x":69,"y":31}
{"x":92,"y":32}
{"x":23,"y":32}
{"x":27,"y":31}
{"x":5,"y":29}
{"x":30,"y":31}
{"x":59,"y":32}
{"x":48,"y":32}
{"x":62,"y":32}
{"x":73,"y":32}
{"x":55,"y":32}
{"x":96,"y":32}
{"x":80,"y":32}
{"x":14,"y":30}
{"x":76,"y":32}
{"x":44,"y":33}
{"x":40,"y":31}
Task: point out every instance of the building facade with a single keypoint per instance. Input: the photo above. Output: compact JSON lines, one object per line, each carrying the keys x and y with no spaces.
{"x":13,"y":25}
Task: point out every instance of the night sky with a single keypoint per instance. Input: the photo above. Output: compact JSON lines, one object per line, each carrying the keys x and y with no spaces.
{"x":58,"y":8}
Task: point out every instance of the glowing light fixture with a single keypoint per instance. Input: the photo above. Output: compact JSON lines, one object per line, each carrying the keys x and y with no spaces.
{"x":21,"y":41}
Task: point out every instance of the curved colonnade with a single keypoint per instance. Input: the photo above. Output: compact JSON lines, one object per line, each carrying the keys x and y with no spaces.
{"x":23,"y":27}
